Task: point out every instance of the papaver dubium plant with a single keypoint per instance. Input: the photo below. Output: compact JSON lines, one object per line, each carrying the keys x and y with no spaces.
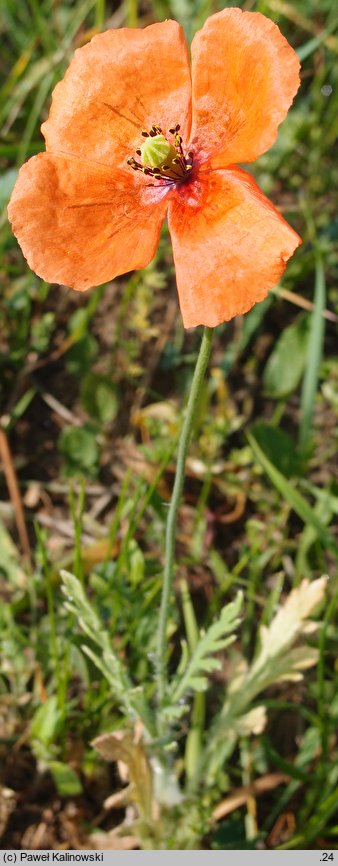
{"x":137,"y":134}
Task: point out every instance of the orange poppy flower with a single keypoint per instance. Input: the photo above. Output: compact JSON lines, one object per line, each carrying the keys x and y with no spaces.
{"x":134,"y":135}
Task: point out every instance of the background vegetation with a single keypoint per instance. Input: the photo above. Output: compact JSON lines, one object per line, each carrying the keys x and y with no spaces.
{"x":91,"y":398}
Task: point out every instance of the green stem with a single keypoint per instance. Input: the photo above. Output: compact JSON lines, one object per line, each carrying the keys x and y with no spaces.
{"x":170,"y":542}
{"x":132,"y":13}
{"x":100,"y":14}
{"x":193,"y":746}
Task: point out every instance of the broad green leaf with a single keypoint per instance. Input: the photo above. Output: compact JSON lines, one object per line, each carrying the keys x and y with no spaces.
{"x":99,"y":398}
{"x":286,"y":364}
{"x":278,"y":447}
{"x":65,"y":779}
{"x":81,"y":355}
{"x":80,"y":451}
{"x":45,"y":721}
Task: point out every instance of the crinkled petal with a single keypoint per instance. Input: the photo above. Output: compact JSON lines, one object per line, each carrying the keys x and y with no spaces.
{"x":81,"y":224}
{"x":230,"y":245}
{"x":244,"y":77}
{"x":120,"y":83}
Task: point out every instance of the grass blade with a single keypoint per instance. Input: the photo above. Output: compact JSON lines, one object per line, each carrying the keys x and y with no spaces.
{"x":315,"y":350}
{"x":292,"y":496}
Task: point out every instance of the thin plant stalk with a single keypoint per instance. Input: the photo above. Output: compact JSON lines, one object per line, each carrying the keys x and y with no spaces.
{"x":132,"y":13}
{"x":170,"y":541}
{"x":315,"y":353}
{"x":100,"y":14}
{"x":194,"y":739}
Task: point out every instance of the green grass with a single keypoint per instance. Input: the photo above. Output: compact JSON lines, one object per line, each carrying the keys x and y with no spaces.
{"x":91,"y":393}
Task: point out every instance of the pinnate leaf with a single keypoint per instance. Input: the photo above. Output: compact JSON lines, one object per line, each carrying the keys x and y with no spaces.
{"x":191,"y":673}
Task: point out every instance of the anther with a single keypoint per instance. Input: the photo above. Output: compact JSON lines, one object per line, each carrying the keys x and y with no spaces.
{"x":145,"y":134}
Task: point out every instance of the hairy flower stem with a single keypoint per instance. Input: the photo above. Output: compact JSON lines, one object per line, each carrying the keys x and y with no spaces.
{"x":170,"y":541}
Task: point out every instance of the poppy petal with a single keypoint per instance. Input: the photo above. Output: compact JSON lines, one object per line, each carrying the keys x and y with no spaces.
{"x":244,"y":77}
{"x":230,"y":246}
{"x":120,"y":83}
{"x":81,"y":224}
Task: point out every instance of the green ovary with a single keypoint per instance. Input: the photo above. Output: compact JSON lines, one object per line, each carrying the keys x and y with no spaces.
{"x":156,"y":152}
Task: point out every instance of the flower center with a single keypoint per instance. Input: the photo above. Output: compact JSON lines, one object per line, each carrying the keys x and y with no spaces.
{"x":162,"y":159}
